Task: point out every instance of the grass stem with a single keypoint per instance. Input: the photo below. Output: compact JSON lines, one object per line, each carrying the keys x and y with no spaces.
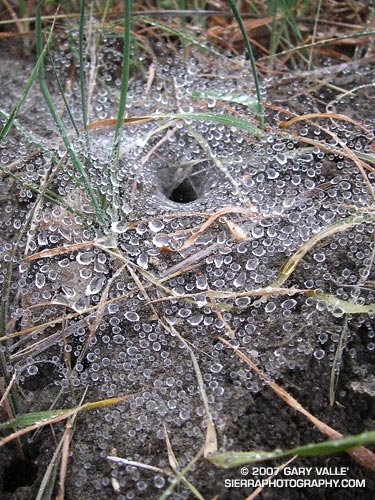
{"x":238,"y":17}
{"x":60,"y":126}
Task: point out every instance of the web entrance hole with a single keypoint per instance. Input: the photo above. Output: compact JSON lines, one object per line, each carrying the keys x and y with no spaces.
{"x":184,"y":192}
{"x":17,"y":474}
{"x":183,"y":185}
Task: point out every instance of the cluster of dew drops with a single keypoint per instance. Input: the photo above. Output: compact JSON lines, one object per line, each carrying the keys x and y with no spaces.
{"x":131,"y":352}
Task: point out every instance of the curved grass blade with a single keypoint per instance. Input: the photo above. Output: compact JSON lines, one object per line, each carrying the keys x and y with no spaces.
{"x":228,"y":120}
{"x":10,"y":121}
{"x":337,"y":227}
{"x":330,"y":447}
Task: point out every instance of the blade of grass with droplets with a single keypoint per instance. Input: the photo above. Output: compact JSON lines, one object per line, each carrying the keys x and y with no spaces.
{"x":62,"y":131}
{"x":228,"y":120}
{"x":62,"y":92}
{"x":31,"y":421}
{"x":337,"y":227}
{"x":180,"y":476}
{"x":341,"y":306}
{"x":243,"y":99}
{"x":211,"y":438}
{"x":124,"y":79}
{"x":238,"y":17}
{"x":330,"y":447}
{"x":82,"y":76}
{"x":33,"y":76}
{"x":123,"y":95}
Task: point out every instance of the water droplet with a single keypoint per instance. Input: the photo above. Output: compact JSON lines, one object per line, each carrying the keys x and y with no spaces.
{"x":119,"y":227}
{"x":270,"y":307}
{"x":216,"y":367}
{"x":131,"y":316}
{"x":155,"y":226}
{"x":32,"y":370}
{"x":196,"y":319}
{"x":40,"y":280}
{"x":95,"y":285}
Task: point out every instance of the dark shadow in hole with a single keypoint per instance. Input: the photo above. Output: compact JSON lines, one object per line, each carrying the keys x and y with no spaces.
{"x":17,"y":474}
{"x":184,"y":192}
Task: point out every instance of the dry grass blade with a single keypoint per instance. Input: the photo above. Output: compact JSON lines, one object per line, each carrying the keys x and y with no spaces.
{"x":259,"y":490}
{"x":332,"y":116}
{"x":345,"y":151}
{"x":363,"y":456}
{"x":64,"y":458}
{"x":211,"y":438}
{"x":46,"y":487}
{"x":53,"y":252}
{"x":124,"y":461}
{"x":111,"y":122}
{"x":7,"y":390}
{"x":171,"y":456}
{"x":249,"y":212}
{"x":294,"y":260}
{"x":188,"y":263}
{"x":101,"y":310}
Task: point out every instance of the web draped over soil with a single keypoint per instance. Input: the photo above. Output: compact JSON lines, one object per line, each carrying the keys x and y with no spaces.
{"x":208,"y":216}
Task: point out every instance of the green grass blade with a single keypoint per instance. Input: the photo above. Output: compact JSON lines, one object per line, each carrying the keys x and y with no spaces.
{"x":34,"y":74}
{"x":124,"y":83}
{"x":180,"y":476}
{"x":122,"y":104}
{"x":32,"y":418}
{"x":238,"y":17}
{"x":45,"y":417}
{"x":243,"y":99}
{"x":62,"y":92}
{"x":331,"y":447}
{"x":60,"y":126}
{"x":229,"y":121}
{"x":82,"y":77}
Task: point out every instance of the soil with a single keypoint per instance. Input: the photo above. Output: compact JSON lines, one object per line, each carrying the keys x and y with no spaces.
{"x":279,"y":191}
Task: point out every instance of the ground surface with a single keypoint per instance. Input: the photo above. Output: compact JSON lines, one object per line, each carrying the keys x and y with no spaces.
{"x":278,"y":192}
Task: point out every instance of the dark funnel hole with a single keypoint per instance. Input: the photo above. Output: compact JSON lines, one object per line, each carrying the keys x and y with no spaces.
{"x":184,"y":192}
{"x":17,"y":474}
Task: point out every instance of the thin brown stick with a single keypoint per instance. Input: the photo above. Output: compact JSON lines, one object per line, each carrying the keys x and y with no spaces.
{"x":64,"y":459}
